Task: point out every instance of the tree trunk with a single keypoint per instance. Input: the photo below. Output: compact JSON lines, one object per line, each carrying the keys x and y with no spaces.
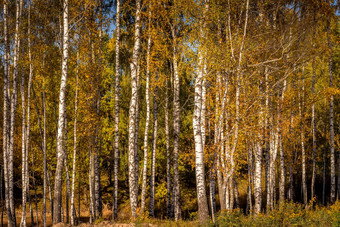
{"x":49,"y":191}
{"x":153,"y":154}
{"x":249,"y":208}
{"x":303,"y":154}
{"x":331,"y":121}
{"x":257,"y":177}
{"x":98,"y":205}
{"x":176,"y":122}
{"x":23,"y":143}
{"x":324,"y":177}
{"x":313,"y":133}
{"x":73,"y":209}
{"x":91,"y":182}
{"x":13,"y":104}
{"x":45,"y":161}
{"x":61,"y":119}
{"x":198,"y":125}
{"x":116,"y":141}
{"x":133,"y":187}
{"x":68,"y":184}
{"x":168,"y":156}
{"x":6,"y":125}
{"x":146,"y":132}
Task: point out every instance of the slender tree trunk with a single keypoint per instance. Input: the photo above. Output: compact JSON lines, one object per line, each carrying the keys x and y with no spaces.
{"x":68,"y":184}
{"x":23,"y":144}
{"x":249,"y":208}
{"x":168,"y":156}
{"x":49,"y":192}
{"x":303,"y":153}
{"x":5,"y":117}
{"x":116,"y":141}
{"x":133,"y":187}
{"x":45,"y":161}
{"x":91,"y":183}
{"x":153,"y":154}
{"x":97,"y":194}
{"x":282,"y":180}
{"x":146,"y":132}
{"x":331,"y":121}
{"x":257,"y":178}
{"x":313,"y":133}
{"x":176,"y":123}
{"x":73,"y":209}
{"x":62,"y":105}
{"x":97,"y":185}
{"x":13,"y":104}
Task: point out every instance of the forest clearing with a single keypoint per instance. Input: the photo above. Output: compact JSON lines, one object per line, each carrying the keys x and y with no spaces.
{"x":170,"y":112}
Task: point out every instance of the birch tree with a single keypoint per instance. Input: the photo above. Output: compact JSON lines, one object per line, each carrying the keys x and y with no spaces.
{"x":198,"y":123}
{"x":61,"y":120}
{"x":147,"y":99}
{"x":133,"y":187}
{"x":116,"y":142}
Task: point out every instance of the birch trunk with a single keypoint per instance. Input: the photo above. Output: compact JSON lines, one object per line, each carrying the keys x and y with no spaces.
{"x":153,"y":154}
{"x":116,"y":142}
{"x":168,"y":156}
{"x":68,"y":184}
{"x":249,"y":208}
{"x":45,"y":161}
{"x":73,"y":209}
{"x":91,"y":183}
{"x":199,"y":126}
{"x":303,"y":154}
{"x":23,"y":154}
{"x":97,"y":194}
{"x":282,"y":178}
{"x":6,"y":124}
{"x":199,"y":146}
{"x":176,"y":123}
{"x":257,"y":178}
{"x":61,"y":120}
{"x":313,"y":133}
{"x":324,"y":177}
{"x":13,"y":105}
{"x":146,"y":132}
{"x":133,"y":187}
{"x":331,"y":120}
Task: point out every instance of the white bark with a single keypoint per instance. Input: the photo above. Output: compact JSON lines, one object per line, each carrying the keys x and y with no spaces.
{"x":133,"y":187}
{"x":331,"y":120}
{"x":176,"y":125}
{"x":146,"y":132}
{"x":13,"y":104}
{"x":73,"y":209}
{"x":153,"y":153}
{"x":5,"y":112}
{"x":23,"y":153}
{"x":198,"y":125}
{"x":61,"y":120}
{"x":116,"y":143}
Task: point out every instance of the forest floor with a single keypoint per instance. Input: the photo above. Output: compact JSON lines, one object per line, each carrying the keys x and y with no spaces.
{"x":288,"y":214}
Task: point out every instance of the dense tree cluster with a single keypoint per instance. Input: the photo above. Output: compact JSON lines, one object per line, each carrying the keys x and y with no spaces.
{"x":174,"y":107}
